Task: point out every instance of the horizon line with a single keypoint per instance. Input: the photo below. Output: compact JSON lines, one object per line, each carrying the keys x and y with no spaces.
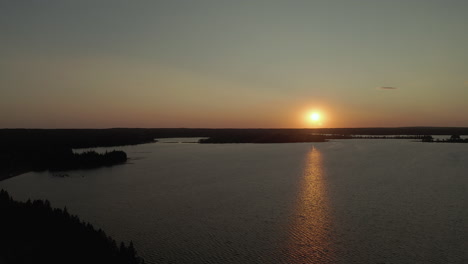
{"x":220,"y":128}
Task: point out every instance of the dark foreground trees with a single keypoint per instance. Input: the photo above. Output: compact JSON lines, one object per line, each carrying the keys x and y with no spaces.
{"x":34,"y":232}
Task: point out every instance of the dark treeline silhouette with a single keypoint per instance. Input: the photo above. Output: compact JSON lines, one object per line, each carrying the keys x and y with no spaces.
{"x":395,"y":131}
{"x":34,"y":232}
{"x":21,"y":149}
{"x":427,"y":138}
{"x":72,"y":138}
{"x":264,"y":137}
{"x":452,"y":139}
{"x":67,"y":160}
{"x":387,"y":137}
{"x":87,"y":138}
{"x":17,"y":161}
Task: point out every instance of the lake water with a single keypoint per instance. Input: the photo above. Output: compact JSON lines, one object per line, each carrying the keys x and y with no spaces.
{"x":345,"y":201}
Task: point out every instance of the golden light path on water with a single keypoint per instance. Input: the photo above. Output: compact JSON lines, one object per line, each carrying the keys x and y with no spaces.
{"x":309,"y":236}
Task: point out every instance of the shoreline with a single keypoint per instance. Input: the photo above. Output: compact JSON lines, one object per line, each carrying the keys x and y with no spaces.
{"x":4,"y":175}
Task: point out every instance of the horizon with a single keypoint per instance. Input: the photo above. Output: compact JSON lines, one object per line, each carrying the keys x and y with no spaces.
{"x":244,"y":64}
{"x":243,"y":128}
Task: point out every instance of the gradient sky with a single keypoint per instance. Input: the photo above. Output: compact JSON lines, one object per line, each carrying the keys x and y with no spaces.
{"x":225,"y":63}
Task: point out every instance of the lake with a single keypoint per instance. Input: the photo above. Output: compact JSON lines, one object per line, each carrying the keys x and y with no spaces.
{"x":344,"y":201}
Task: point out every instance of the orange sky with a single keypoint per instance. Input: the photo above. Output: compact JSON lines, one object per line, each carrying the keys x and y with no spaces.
{"x":243,"y":64}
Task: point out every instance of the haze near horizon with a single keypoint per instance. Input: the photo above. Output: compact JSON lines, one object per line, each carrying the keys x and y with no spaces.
{"x":237,"y":64}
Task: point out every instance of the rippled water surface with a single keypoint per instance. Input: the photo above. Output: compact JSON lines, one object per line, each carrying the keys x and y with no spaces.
{"x":350,"y":201}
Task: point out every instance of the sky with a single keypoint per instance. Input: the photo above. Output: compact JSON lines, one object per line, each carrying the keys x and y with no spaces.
{"x":233,"y":64}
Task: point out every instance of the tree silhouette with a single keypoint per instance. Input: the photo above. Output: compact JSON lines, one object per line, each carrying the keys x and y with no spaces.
{"x":34,"y":232}
{"x":427,"y":138}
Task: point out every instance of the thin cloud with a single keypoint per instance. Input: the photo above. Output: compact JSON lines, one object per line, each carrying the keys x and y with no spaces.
{"x":386,"y":88}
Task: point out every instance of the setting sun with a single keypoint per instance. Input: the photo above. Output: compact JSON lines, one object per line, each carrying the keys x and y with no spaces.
{"x":315,"y":116}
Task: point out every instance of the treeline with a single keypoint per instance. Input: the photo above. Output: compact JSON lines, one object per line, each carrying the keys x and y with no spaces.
{"x":394,"y":131}
{"x":55,"y":159}
{"x":72,"y":138}
{"x":88,"y":138}
{"x":452,"y":139}
{"x":20,"y":148}
{"x":264,"y":137}
{"x":67,"y":160}
{"x":34,"y":232}
{"x":388,"y":137}
{"x":23,"y":150}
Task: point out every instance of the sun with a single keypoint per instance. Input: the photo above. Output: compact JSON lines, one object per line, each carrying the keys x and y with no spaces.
{"x":315,"y":117}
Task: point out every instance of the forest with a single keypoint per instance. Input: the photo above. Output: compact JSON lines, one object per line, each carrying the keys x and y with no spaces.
{"x":264,"y":137}
{"x":34,"y":232}
{"x":66,"y":159}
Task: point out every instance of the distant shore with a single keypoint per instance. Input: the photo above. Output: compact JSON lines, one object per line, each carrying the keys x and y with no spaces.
{"x":266,"y":137}
{"x":63,"y":161}
{"x":12,"y":173}
{"x":22,"y":149}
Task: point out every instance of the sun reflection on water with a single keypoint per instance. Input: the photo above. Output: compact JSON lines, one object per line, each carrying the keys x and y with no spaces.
{"x":309,"y":239}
